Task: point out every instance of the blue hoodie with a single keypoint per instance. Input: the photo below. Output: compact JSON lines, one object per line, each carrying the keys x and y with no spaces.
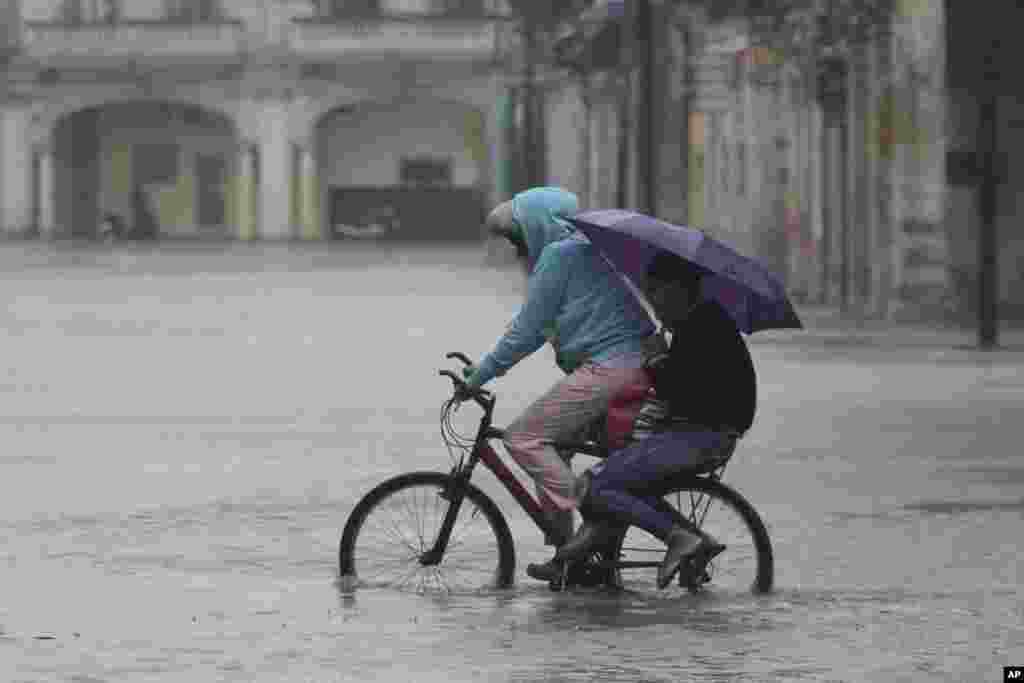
{"x":574,"y":299}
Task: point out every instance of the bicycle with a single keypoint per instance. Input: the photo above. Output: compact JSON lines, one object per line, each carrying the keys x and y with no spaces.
{"x":464,"y":534}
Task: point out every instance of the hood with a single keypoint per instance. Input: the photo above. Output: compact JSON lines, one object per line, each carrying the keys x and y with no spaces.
{"x":542,"y":212}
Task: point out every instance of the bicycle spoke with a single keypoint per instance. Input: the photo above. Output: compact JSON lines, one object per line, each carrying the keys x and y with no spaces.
{"x":413,"y":571}
{"x":735,"y":569}
{"x":411,"y":517}
{"x":415,"y":524}
{"x":395,"y":534}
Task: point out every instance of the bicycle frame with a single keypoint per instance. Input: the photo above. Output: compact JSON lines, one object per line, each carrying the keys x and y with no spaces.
{"x":482,"y":451}
{"x":461,"y":474}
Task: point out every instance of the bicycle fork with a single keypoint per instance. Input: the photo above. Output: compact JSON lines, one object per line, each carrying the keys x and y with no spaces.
{"x":454,"y":493}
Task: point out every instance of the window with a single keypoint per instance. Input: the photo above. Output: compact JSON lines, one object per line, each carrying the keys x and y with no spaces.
{"x":426,"y":172}
{"x":192,"y":10}
{"x":90,"y":11}
{"x":354,"y":7}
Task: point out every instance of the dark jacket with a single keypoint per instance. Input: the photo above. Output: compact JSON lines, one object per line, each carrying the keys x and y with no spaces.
{"x":708,"y":377}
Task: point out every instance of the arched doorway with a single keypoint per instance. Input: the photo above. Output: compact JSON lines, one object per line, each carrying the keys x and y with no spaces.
{"x":412,"y":170}
{"x":164,"y":169}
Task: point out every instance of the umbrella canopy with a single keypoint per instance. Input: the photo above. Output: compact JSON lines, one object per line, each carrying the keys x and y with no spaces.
{"x":745,"y":288}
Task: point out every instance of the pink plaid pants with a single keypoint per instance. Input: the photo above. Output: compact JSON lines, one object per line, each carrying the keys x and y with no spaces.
{"x":562,"y":413}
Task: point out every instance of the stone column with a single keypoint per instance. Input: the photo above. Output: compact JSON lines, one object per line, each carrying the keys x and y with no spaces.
{"x":502,"y":120}
{"x":244,"y":196}
{"x":45,"y":186}
{"x":310,"y":223}
{"x":274,"y":172}
{"x":878,"y":302}
{"x":584,"y":138}
{"x":15,"y":172}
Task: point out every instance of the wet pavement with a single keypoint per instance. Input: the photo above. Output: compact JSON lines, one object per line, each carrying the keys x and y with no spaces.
{"x":186,"y":432}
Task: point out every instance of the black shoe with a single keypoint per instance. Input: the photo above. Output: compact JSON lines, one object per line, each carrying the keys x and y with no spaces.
{"x":552,"y":571}
{"x":681,"y":546}
{"x":573,"y":549}
{"x":561,"y":575}
{"x":587,"y":574}
{"x":587,"y":537}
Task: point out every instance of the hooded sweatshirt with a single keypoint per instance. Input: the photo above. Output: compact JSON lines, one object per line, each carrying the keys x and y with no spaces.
{"x":573,"y":299}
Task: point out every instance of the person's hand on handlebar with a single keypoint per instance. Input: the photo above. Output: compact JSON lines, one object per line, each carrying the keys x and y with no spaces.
{"x":472,"y":378}
{"x":470,"y":385}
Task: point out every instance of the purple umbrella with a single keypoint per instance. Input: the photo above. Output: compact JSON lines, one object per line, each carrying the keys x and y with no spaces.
{"x":752,"y":296}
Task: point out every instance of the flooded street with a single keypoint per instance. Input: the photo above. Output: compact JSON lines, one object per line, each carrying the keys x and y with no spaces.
{"x":185,"y":435}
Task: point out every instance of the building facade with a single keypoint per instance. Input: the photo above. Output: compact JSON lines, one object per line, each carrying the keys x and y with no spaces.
{"x":840,"y":147}
{"x":232,"y":119}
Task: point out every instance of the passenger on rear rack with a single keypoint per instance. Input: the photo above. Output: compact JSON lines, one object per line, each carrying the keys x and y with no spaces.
{"x":703,"y":400}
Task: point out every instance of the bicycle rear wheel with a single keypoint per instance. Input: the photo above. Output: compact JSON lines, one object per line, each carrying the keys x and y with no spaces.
{"x":745,"y":565}
{"x":391,"y":528}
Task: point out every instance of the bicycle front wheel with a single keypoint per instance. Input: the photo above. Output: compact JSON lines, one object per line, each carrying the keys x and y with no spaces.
{"x":394,"y":525}
{"x":745,"y":565}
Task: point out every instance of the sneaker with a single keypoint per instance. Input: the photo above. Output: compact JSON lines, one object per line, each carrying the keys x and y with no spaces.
{"x":693,"y":573}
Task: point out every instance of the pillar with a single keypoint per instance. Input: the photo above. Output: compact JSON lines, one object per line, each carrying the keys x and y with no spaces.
{"x":244,"y":195}
{"x":584,"y":141}
{"x":695,"y":169}
{"x":45,"y":186}
{"x":274,"y":172}
{"x":499,"y":137}
{"x":875,"y":253}
{"x":310,"y":223}
{"x":15,"y":172}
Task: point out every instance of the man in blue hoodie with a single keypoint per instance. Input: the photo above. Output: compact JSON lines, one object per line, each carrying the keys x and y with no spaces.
{"x":600,"y":332}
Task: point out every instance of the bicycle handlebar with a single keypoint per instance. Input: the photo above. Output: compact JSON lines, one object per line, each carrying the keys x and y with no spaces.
{"x":483,"y":397}
{"x":456,"y":380}
{"x":460,"y":356}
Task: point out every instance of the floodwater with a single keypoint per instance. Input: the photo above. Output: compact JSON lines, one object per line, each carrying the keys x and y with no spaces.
{"x":185,"y":434}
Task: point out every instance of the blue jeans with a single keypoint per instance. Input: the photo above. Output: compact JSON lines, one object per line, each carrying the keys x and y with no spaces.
{"x":619,"y":485}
